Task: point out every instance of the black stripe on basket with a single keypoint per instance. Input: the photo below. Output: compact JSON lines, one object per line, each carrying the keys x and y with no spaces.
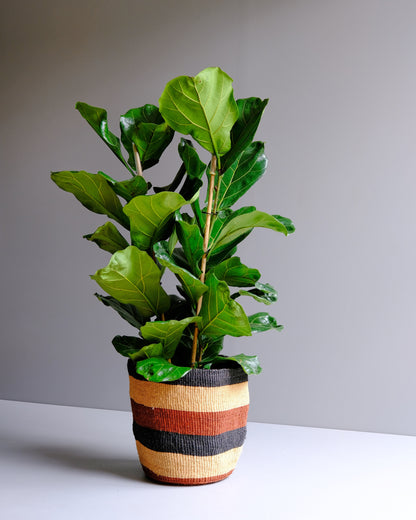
{"x":199,"y":445}
{"x":200,"y":377}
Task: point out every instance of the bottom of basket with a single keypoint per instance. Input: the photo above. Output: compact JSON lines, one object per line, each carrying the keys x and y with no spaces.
{"x":184,"y":481}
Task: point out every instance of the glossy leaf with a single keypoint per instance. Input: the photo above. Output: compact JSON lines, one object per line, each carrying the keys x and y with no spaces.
{"x":151,"y":217}
{"x":202,"y":106}
{"x":192,"y":243}
{"x":108,"y":237}
{"x":192,"y":286}
{"x":246,"y":170}
{"x":261,"y":322}
{"x":93,"y":192}
{"x":193,"y":164}
{"x":263,"y":293}
{"x":145,"y":128}
{"x":159,"y":370}
{"x":128,"y":189}
{"x":97,"y":118}
{"x":290,"y":227}
{"x":220,"y":314}
{"x":135,"y":348}
{"x":132,"y":277}
{"x":211,"y":347}
{"x":250,"y":364}
{"x":250,"y":111}
{"x":168,"y":333}
{"x":236,"y":274}
{"x":126,"y":311}
{"x":245,"y":223}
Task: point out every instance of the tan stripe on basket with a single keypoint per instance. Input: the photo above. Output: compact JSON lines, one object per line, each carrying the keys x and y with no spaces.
{"x":175,"y":465}
{"x":189,"y":398}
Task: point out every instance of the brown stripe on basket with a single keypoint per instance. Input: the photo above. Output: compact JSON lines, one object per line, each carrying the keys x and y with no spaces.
{"x":198,"y":445}
{"x":200,"y":377}
{"x":185,"y":481}
{"x":189,"y":398}
{"x":176,"y":465}
{"x":191,"y":423}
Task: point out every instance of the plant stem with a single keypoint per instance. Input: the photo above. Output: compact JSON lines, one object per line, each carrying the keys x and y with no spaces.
{"x":137,"y":161}
{"x":207,"y":232}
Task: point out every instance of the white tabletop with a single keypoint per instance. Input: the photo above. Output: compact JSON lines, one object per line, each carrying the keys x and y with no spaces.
{"x":59,"y":462}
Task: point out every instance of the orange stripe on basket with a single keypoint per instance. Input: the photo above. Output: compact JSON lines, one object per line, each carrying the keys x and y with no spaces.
{"x":185,"y":481}
{"x":176,"y":465}
{"x":190,"y":423}
{"x":189,"y":398}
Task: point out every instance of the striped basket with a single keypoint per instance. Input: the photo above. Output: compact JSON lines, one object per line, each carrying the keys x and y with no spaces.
{"x":190,"y":431}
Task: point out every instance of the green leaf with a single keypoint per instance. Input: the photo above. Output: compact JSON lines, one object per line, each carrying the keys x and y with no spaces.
{"x":211,"y":347}
{"x":220,"y":314}
{"x":168,"y":333}
{"x":262,"y":322}
{"x":250,"y":364}
{"x":246,"y":170}
{"x":97,"y":118}
{"x":126,"y":311}
{"x":151,"y":217}
{"x":135,"y":348}
{"x":159,"y":370}
{"x":192,"y":286}
{"x":290,"y":227}
{"x":179,"y":308}
{"x":93,"y":192}
{"x":236,"y":274}
{"x":145,"y":128}
{"x":263,"y":293}
{"x":245,"y":223}
{"x":132,"y":277}
{"x":193,"y":164}
{"x":128,"y":189}
{"x":250,"y":111}
{"x":108,"y":237}
{"x":202,"y":106}
{"x":192,"y":242}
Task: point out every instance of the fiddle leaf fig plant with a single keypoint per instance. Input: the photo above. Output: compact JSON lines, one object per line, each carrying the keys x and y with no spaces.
{"x":181,"y":228}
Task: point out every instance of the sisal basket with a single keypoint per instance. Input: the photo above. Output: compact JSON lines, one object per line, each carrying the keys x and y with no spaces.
{"x":190,"y":431}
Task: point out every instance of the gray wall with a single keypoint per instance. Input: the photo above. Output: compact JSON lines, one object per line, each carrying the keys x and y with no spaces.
{"x":340,"y":134}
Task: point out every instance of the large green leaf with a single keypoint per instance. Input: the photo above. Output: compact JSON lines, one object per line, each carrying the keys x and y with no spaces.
{"x":250,"y":364}
{"x":250,"y":111}
{"x":244,"y":223}
{"x":168,"y":333}
{"x":128,"y":189}
{"x":93,"y":192}
{"x":97,"y":118}
{"x":151,"y":217}
{"x":135,"y":348}
{"x":193,"y":164}
{"x":192,"y":286}
{"x":202,"y":106}
{"x":108,"y":237}
{"x":145,"y":127}
{"x":236,"y":274}
{"x":261,"y":322}
{"x":192,"y":242}
{"x":126,"y":311}
{"x":220,"y":314}
{"x":263,"y":293}
{"x":246,"y":170}
{"x":132,"y":277}
{"x":159,"y":370}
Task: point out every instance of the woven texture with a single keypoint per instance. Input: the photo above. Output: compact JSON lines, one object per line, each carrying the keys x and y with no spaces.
{"x":190,"y":431}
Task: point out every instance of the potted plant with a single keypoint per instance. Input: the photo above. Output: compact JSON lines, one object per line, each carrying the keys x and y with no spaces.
{"x":189,"y":401}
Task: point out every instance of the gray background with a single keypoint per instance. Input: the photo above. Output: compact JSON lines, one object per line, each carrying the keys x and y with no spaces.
{"x":340,"y":134}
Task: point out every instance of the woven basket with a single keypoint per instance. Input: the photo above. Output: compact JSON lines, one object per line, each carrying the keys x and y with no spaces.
{"x":190,"y":431}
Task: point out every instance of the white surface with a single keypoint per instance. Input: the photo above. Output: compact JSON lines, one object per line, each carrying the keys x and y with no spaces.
{"x":76,"y":463}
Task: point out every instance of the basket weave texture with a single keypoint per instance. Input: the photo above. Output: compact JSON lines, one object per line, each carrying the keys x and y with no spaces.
{"x":190,"y":431}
